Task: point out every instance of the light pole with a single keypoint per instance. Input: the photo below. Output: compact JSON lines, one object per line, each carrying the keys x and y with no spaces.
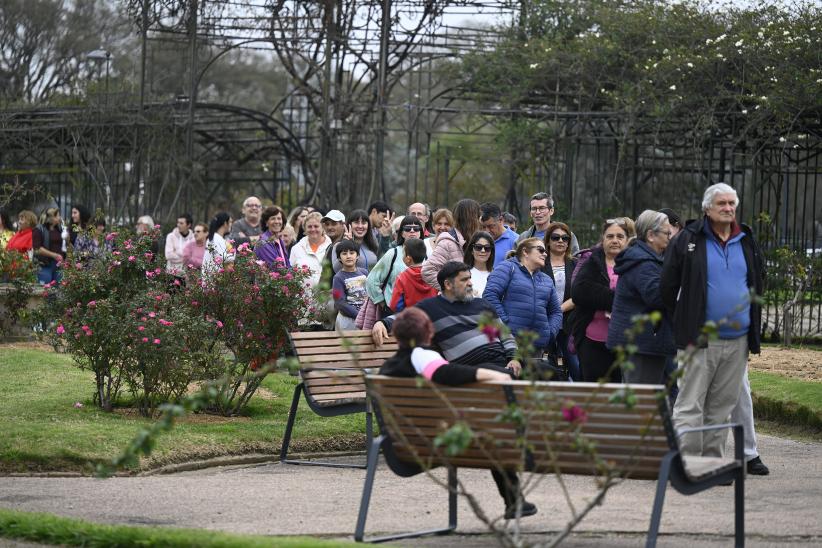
{"x":98,"y":56}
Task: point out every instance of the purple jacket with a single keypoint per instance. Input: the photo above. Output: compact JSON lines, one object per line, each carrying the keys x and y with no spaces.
{"x":272,"y":251}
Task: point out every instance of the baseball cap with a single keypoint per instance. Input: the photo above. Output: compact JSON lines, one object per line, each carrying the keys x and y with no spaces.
{"x":335,"y":215}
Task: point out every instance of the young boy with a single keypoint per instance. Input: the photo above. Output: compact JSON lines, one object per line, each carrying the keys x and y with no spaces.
{"x":348,"y":286}
{"x":409,"y":289}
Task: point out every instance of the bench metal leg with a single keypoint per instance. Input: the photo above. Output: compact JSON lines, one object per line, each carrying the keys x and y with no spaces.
{"x":289,"y":425}
{"x":289,"y":428}
{"x":739,"y":508}
{"x":659,"y":499}
{"x":359,"y":532}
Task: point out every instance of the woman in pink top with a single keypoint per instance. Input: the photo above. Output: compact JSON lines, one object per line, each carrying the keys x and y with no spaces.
{"x":193,"y":251}
{"x":593,"y":295}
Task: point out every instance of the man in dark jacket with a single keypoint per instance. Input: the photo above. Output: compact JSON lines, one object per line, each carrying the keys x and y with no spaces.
{"x":709,"y":273}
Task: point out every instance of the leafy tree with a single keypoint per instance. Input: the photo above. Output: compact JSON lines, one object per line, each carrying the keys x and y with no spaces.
{"x":44,"y":43}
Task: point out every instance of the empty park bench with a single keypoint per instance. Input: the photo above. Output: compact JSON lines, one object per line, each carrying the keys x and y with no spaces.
{"x":331,"y":369}
{"x":636,"y":441}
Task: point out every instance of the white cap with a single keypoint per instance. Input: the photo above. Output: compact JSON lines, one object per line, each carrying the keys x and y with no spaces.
{"x":335,"y":215}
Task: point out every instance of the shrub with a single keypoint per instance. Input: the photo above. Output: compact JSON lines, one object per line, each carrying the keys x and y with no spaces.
{"x":253,"y":307}
{"x":18,"y":273}
{"x":92,"y":304}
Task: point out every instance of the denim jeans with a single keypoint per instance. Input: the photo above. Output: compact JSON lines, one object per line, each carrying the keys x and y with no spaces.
{"x":569,"y":358}
{"x":49,"y":273}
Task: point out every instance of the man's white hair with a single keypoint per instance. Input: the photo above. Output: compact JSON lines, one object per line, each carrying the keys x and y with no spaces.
{"x":713,"y":190}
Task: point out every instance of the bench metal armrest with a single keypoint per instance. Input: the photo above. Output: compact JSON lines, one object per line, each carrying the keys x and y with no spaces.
{"x":738,"y":431}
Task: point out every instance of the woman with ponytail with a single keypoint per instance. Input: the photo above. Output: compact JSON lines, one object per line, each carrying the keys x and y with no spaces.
{"x":217,"y":251}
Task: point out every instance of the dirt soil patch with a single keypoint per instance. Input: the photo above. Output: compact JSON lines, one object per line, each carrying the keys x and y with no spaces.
{"x":797,"y":363}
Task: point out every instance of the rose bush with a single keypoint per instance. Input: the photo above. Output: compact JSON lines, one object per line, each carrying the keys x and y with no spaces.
{"x":123,"y":317}
{"x":18,"y":274}
{"x":252,"y":308}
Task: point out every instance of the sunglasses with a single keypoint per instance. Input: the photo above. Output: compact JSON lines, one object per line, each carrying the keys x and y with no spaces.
{"x":481,"y":248}
{"x":619,"y":222}
{"x":563,"y":237}
{"x":410,"y":228}
{"x":540,"y":249}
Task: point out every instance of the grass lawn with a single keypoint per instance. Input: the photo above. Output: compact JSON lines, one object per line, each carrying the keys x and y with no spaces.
{"x":792,"y":402}
{"x":50,"y":529}
{"x":43,"y":431}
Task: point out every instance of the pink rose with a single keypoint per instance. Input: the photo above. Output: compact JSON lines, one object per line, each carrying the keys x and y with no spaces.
{"x":156,"y":341}
{"x":492,"y":332}
{"x":141,"y":328}
{"x":145,"y":339}
{"x":61,"y":329}
{"x":574,"y":414}
{"x":219,"y":324}
{"x":92,"y":304}
{"x":131,"y":258}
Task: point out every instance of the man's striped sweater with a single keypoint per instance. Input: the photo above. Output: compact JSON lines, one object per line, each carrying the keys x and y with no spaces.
{"x":457,"y":334}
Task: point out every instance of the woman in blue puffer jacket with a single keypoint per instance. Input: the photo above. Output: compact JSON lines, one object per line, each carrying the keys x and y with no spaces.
{"x":523,"y":296}
{"x":639,"y":268}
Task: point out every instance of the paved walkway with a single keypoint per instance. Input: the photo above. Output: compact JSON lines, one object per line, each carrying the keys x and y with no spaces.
{"x":784,"y":508}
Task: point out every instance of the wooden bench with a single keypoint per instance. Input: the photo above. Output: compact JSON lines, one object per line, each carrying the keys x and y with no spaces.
{"x":633,"y":441}
{"x":331,"y":366}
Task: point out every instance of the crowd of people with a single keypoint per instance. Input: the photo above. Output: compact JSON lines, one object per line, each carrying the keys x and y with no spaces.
{"x":433,"y":277}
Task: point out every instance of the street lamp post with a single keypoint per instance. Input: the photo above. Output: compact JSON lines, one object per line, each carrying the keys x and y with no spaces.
{"x":98,"y":56}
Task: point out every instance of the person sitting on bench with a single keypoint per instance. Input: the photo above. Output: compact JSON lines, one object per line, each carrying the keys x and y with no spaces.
{"x":414,"y":330}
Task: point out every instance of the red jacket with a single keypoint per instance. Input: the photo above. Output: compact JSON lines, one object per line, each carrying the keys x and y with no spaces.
{"x":21,"y":241}
{"x":409,"y":289}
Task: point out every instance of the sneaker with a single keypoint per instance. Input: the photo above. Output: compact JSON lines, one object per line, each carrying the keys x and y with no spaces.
{"x":527,"y":509}
{"x":757,"y":468}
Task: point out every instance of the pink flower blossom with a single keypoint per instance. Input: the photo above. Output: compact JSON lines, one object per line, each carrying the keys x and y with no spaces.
{"x":92,"y":304}
{"x":152,"y":315}
{"x":78,"y":405}
{"x":573,"y":413}
{"x":145,"y":339}
{"x":156,"y":341}
{"x":131,"y":258}
{"x":156,"y":227}
{"x":61,"y":329}
{"x":274,"y":275}
{"x":89,"y":333}
{"x":492,"y":332}
{"x":141,"y":328}
{"x":219,"y":324}
{"x":148,"y":255}
{"x":158,"y":271}
{"x":110,"y":236}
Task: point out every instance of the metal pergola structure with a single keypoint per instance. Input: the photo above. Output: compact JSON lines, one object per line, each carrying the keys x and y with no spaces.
{"x":368,"y":113}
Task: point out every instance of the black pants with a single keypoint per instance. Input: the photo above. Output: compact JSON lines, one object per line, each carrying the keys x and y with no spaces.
{"x":595,"y":360}
{"x":507,"y":484}
{"x":648,"y":369}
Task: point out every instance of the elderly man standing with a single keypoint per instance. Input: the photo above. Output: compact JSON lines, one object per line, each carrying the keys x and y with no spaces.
{"x":709,"y":272}
{"x":542,"y":208}
{"x":249,"y":228}
{"x":423,"y":213}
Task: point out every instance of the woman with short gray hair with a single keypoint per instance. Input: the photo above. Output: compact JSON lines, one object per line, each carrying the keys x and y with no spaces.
{"x":637,"y":292}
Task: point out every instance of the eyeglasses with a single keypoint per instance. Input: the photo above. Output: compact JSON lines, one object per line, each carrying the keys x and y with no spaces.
{"x":540,"y":249}
{"x":410,"y":228}
{"x":620,"y":222}
{"x":253,"y":206}
{"x":558,"y":237}
{"x":540,"y":209}
{"x":668,"y":233}
{"x":481,"y":248}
